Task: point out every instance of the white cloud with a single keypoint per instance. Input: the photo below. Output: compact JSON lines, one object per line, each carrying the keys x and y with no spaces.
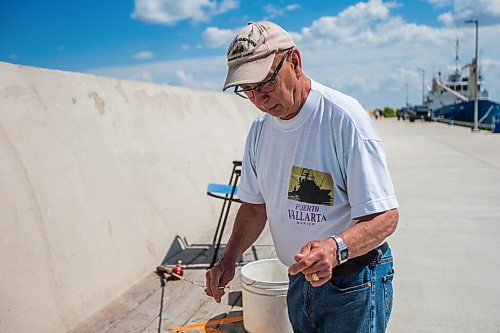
{"x":440,"y":3}
{"x":185,"y":79}
{"x":214,"y":37}
{"x":144,"y":55}
{"x":140,"y":75}
{"x":227,"y":5}
{"x":294,"y":6}
{"x":169,"y":12}
{"x":489,"y":64}
{"x":447,"y":19}
{"x":368,"y":24}
{"x":487,"y":12}
{"x":196,"y":73}
{"x":353,"y":21}
{"x":273,"y":11}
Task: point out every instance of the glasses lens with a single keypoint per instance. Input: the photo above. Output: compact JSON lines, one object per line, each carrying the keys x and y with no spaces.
{"x":266,"y":87}
{"x":243,"y":94}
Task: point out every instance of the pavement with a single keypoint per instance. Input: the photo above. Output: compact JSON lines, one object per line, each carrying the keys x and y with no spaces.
{"x":446,"y":247}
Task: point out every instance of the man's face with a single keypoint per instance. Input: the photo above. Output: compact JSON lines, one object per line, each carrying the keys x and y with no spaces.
{"x":280,"y":102}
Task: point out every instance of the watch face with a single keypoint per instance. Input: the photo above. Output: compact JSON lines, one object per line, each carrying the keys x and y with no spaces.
{"x":343,"y":255}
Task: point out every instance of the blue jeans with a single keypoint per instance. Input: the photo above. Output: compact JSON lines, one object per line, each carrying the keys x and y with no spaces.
{"x":355,"y":302}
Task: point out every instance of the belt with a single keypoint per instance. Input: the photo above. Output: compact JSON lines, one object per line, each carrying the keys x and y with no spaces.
{"x":356,"y":264}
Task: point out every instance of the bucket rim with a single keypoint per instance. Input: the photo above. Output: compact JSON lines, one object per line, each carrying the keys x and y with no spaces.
{"x":264,"y":284}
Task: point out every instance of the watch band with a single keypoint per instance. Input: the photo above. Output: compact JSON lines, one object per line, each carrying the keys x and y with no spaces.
{"x":342,"y":250}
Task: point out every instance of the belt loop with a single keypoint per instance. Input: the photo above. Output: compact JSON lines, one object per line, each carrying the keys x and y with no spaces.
{"x":379,"y":254}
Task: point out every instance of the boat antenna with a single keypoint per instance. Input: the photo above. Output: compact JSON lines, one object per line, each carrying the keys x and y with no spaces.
{"x":479,"y":70}
{"x":457,"y":58}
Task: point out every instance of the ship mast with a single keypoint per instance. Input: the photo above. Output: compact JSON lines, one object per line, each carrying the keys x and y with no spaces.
{"x":474,"y":78}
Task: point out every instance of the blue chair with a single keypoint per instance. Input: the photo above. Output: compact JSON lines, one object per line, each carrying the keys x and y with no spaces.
{"x":226,"y":193}
{"x":205,"y":255}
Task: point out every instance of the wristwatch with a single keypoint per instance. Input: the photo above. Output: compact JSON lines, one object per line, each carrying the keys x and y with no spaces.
{"x":342,"y":250}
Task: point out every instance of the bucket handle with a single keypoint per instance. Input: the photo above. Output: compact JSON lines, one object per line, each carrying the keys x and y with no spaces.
{"x":263,"y":294}
{"x":243,"y":285}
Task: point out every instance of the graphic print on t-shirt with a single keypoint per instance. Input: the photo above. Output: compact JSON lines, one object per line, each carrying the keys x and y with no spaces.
{"x":310,"y":186}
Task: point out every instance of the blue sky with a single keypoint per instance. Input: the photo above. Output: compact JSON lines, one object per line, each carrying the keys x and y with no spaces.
{"x":371,"y":50}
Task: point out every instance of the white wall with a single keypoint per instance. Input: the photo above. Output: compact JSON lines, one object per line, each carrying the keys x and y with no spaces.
{"x":97,"y":176}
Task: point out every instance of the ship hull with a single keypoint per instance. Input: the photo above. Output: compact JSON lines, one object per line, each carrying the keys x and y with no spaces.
{"x":464,"y":111}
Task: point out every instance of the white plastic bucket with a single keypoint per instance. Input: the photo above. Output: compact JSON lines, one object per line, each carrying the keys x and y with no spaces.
{"x":265,"y":284}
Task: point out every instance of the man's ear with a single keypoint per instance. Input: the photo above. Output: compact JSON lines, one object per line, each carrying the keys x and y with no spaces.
{"x":296,"y":62}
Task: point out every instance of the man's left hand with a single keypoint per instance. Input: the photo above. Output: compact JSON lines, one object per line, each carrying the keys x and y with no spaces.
{"x":316,"y":260}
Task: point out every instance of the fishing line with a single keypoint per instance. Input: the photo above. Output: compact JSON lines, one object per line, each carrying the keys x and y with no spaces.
{"x":166,"y":270}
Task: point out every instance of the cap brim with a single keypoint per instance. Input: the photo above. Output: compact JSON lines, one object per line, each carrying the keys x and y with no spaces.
{"x":250,"y":72}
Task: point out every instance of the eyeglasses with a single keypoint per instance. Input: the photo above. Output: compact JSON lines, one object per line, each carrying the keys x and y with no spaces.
{"x":265,"y":87}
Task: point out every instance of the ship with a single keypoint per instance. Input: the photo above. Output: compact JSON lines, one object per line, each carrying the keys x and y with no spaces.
{"x":452,"y":100}
{"x":309,"y":191}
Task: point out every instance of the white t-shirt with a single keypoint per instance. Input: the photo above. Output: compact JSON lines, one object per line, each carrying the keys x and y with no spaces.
{"x":317,"y":172}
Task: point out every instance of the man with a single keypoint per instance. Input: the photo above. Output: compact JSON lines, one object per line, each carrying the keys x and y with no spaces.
{"x":315,"y":168}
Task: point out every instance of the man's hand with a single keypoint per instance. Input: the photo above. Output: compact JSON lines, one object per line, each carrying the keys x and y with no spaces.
{"x":248,"y":225}
{"x":316,"y":257}
{"x":217,"y":279}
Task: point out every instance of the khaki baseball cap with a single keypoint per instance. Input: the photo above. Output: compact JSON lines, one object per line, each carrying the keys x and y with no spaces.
{"x":251,"y":53}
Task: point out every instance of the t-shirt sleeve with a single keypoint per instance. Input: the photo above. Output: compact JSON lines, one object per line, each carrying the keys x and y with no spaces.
{"x":249,"y":188}
{"x":369,"y":184}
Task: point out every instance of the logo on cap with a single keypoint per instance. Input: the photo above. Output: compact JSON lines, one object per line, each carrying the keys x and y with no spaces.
{"x":243,"y":46}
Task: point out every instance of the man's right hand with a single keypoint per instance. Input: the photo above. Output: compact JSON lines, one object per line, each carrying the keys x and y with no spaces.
{"x":248,"y":225}
{"x":218,"y":278}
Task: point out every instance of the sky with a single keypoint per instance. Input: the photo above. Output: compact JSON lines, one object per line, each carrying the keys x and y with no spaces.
{"x":384,"y":53}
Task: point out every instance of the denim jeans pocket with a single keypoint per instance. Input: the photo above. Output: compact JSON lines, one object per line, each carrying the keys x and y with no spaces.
{"x":349,"y":297}
{"x":352,"y":282}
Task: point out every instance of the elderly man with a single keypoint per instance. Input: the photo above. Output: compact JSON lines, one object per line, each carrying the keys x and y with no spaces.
{"x":315,"y":168}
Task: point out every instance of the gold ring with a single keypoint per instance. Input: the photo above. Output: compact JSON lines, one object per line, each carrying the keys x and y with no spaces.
{"x":315,"y":277}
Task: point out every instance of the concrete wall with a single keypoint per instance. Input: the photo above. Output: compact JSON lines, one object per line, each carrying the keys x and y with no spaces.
{"x":97,"y":176}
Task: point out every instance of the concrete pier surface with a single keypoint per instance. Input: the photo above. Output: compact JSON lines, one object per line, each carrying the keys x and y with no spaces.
{"x":446,"y":246}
